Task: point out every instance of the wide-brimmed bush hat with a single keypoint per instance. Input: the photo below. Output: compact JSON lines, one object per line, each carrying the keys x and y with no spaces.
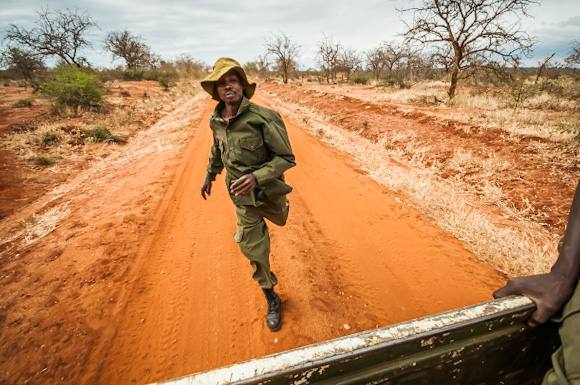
{"x":221,"y":67}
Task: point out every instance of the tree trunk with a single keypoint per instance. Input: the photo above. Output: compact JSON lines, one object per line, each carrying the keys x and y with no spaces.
{"x":454,"y":78}
{"x":458,"y":56}
{"x":542,"y":66}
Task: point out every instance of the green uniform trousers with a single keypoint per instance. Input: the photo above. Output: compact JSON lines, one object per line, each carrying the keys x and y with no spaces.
{"x":566,"y":360}
{"x":254,"y":240}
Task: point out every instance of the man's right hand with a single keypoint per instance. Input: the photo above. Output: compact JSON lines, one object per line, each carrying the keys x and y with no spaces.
{"x":206,"y":188}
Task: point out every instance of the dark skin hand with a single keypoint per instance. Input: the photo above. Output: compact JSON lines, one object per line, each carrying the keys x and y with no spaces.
{"x":242,"y":186}
{"x":206,"y":188}
{"x":551,"y":291}
{"x":238,"y":187}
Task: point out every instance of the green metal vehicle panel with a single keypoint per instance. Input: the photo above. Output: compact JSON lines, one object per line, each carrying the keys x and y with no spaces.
{"x":488,"y":343}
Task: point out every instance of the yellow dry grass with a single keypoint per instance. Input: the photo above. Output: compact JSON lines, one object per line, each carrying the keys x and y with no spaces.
{"x":519,"y":249}
{"x":542,"y":115}
{"x":64,"y":147}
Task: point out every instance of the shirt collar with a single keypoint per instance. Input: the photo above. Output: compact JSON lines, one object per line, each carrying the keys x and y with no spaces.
{"x":243,"y":107}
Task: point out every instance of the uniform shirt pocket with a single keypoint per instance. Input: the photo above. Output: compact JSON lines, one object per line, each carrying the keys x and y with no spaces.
{"x":251,"y":151}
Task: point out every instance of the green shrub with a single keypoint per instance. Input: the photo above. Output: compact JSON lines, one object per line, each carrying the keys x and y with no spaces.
{"x":360,"y":78}
{"x":165,"y":74}
{"x":73,"y":88}
{"x":50,"y":138}
{"x":28,"y":102}
{"x":164,"y":82}
{"x":388,"y":81}
{"x":571,"y":128}
{"x":101,"y":133}
{"x":520,"y":90}
{"x":42,"y":160}
{"x":133,"y":75}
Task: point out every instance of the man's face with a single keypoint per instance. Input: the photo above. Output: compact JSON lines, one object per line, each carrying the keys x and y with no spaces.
{"x":230,"y":88}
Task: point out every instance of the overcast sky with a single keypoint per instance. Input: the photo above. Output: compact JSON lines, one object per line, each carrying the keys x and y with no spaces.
{"x":209,"y":29}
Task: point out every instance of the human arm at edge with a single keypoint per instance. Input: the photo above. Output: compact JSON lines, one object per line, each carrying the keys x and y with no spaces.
{"x":551,"y":291}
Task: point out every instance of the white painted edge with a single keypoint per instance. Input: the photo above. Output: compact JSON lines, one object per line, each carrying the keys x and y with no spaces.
{"x":324,"y":350}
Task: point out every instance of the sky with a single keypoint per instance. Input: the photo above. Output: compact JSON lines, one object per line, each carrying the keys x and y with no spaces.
{"x":210,"y":29}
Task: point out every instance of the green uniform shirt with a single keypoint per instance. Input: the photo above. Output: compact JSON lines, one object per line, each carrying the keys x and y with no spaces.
{"x":566,"y":360}
{"x":254,"y":141}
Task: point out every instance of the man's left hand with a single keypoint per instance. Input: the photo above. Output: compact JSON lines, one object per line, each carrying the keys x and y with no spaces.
{"x":549,"y":291}
{"x":242,"y":186}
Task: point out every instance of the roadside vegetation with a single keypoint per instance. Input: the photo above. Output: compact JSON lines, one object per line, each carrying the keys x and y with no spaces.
{"x":78,"y":135}
{"x":517,"y":249}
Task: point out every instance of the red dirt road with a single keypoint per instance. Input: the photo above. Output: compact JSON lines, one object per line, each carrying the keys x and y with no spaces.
{"x":351,"y":258}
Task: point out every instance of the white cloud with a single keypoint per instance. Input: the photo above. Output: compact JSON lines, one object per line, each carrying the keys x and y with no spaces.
{"x":571,"y":22}
{"x":209,"y":29}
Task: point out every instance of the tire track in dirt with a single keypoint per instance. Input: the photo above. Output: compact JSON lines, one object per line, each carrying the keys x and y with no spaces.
{"x":350,"y":258}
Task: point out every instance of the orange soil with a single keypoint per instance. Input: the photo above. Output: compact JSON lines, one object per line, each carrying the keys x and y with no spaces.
{"x":143,"y":281}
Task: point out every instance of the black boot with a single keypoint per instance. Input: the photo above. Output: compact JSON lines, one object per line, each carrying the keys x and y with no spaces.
{"x":273,"y":318}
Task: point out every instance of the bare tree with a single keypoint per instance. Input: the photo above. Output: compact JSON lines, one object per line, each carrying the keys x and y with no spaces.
{"x":25,"y":62}
{"x":397,"y":55}
{"x":263,"y":64}
{"x":442,"y":57}
{"x":574,"y":57}
{"x":130,"y":48}
{"x":328,"y":57}
{"x":375,"y":60}
{"x":479,"y":32}
{"x":190,"y":66}
{"x":57,"y":33}
{"x":411,"y":60}
{"x":349,"y":61}
{"x":285,"y":51}
{"x":260,"y":66}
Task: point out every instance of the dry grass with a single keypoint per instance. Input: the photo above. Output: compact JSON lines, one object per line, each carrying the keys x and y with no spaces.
{"x":542,"y":115}
{"x":519,"y":249}
{"x":67,"y":138}
{"x":68,"y":144}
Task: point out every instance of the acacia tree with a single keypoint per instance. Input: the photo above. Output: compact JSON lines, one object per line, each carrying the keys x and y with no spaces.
{"x":411,"y":60}
{"x":25,"y":62}
{"x":328,"y":57}
{"x":263,"y":65}
{"x":285,"y":51}
{"x":476,"y":33}
{"x":259,"y":66}
{"x":375,"y":60}
{"x":348,"y":61}
{"x":393,"y":54}
{"x":57,"y":33}
{"x":574,"y":57}
{"x":191,"y":67}
{"x":130,"y":48}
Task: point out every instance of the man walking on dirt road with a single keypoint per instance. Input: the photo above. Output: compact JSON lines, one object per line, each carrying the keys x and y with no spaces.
{"x":251,"y":142}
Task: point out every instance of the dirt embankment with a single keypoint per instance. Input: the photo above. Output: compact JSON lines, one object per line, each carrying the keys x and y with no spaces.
{"x":536,"y":175}
{"x":141,"y":280}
